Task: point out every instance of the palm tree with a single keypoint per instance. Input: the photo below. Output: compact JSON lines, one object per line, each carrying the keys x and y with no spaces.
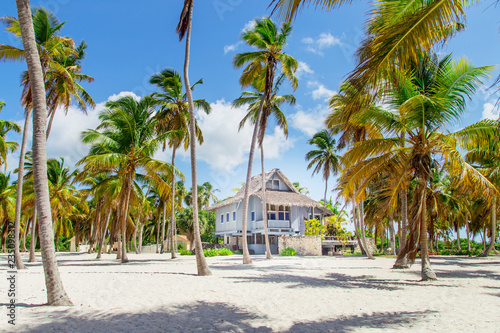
{"x":55,"y":290}
{"x":437,"y":96}
{"x":324,"y":158}
{"x":49,"y":44}
{"x":184,"y":29}
{"x":302,"y":190}
{"x":271,"y":107}
{"x":174,"y":116}
{"x":260,"y":70}
{"x":123,"y":144}
{"x":397,"y":32}
{"x":484,"y":154}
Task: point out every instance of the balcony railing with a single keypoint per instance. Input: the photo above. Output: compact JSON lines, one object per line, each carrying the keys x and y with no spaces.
{"x":272,"y":224}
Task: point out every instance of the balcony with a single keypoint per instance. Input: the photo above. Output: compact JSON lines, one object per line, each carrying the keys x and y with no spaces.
{"x":272,"y":224}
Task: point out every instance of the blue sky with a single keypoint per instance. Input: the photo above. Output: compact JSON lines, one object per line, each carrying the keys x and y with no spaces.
{"x":130,"y":40}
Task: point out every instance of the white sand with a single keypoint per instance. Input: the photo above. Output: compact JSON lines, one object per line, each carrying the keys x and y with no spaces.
{"x":286,"y":294}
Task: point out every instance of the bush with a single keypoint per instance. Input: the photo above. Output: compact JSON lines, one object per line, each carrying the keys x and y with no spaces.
{"x":217,"y":252}
{"x":288,"y":252}
{"x":180,"y":246}
{"x":185,"y":252}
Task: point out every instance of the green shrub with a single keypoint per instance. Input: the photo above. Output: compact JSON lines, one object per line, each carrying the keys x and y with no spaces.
{"x":210,"y":253}
{"x":224,"y":252}
{"x":288,"y":252}
{"x":185,"y":252}
{"x":180,"y":246}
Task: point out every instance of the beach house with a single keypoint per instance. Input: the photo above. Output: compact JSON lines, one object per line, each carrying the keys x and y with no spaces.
{"x":287,"y":210}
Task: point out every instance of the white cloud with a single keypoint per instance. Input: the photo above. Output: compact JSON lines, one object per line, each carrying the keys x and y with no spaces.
{"x":490,"y":111}
{"x":303,"y":69}
{"x":123,"y":94}
{"x":323,"y":41}
{"x":276,"y":144}
{"x":231,"y":48}
{"x":320,"y":91}
{"x":249,"y":25}
{"x":225,"y":147}
{"x":311,"y":121}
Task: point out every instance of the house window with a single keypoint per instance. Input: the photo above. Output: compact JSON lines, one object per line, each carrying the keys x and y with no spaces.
{"x":221,"y":218}
{"x":253,"y":216}
{"x":273,"y":184}
{"x":269,"y":185}
{"x":234,"y":216}
{"x":275,"y":212}
{"x":227,"y":217}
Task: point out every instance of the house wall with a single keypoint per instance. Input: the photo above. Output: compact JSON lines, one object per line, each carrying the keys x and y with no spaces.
{"x":303,"y":245}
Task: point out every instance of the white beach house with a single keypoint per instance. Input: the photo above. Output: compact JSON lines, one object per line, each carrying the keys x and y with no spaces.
{"x":287,"y":210}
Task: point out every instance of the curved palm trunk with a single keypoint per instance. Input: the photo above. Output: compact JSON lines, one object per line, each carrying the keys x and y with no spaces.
{"x":33,"y":236}
{"x":125,"y":218}
{"x":140,"y":237}
{"x":26,"y":228}
{"x":200,"y":257}
{"x":458,"y":238}
{"x":493,"y":229}
{"x":356,"y":226}
{"x":19,"y":194}
{"x":49,"y":126}
{"x":173,"y":227}
{"x":56,"y":295}
{"x":427,"y":273}
{"x":103,"y":235}
{"x":264,"y":205}
{"x":158,"y":233}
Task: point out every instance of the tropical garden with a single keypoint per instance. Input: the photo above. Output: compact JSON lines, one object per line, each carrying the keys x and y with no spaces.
{"x":402,"y":176}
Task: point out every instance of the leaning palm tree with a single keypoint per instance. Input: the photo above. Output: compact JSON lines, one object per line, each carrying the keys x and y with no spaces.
{"x":437,"y":96}
{"x":259,"y":71}
{"x":324,"y":158}
{"x":55,"y":290}
{"x":184,"y":29}
{"x":271,"y":107}
{"x":173,"y":115}
{"x":124,"y":144}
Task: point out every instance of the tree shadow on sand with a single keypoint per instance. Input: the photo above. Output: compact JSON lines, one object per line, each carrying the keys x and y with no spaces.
{"x":331,"y":280}
{"x":210,"y":317}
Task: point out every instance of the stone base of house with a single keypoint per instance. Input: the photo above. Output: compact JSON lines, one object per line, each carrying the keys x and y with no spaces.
{"x":370,"y":242}
{"x":303,"y":245}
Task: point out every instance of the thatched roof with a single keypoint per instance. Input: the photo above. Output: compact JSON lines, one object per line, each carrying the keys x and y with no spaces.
{"x":292,"y":198}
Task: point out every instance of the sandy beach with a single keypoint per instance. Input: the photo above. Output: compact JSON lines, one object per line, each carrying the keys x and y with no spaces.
{"x":286,"y":294}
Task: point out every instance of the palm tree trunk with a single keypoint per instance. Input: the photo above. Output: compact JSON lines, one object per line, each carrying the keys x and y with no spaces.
{"x":140,"y":238}
{"x":49,"y":126}
{"x":125,"y":218}
{"x":493,"y":229}
{"x":264,"y":205}
{"x":467,"y":232}
{"x":56,"y":295}
{"x":173,"y":249}
{"x":361,"y":214}
{"x":158,"y":233}
{"x":33,"y":236}
{"x":26,"y":228}
{"x":426,"y":273}
{"x":392,"y":235}
{"x":459,"y":246}
{"x":103,"y":235}
{"x":200,"y":257}
{"x":356,"y":226}
{"x":19,"y":194}
{"x":164,"y":221}
{"x":404,"y":219}
{"x":136,"y":249}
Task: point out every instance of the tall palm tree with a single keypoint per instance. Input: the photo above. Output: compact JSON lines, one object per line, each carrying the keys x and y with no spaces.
{"x":184,"y":29}
{"x":324,"y":158}
{"x":271,"y":107}
{"x":56,"y":294}
{"x":124,"y":144}
{"x":438,"y":92}
{"x":174,"y":116}
{"x":49,"y":45}
{"x":260,"y":70}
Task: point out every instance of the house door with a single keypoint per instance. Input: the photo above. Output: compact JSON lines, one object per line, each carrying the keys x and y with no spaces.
{"x":273,"y":244}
